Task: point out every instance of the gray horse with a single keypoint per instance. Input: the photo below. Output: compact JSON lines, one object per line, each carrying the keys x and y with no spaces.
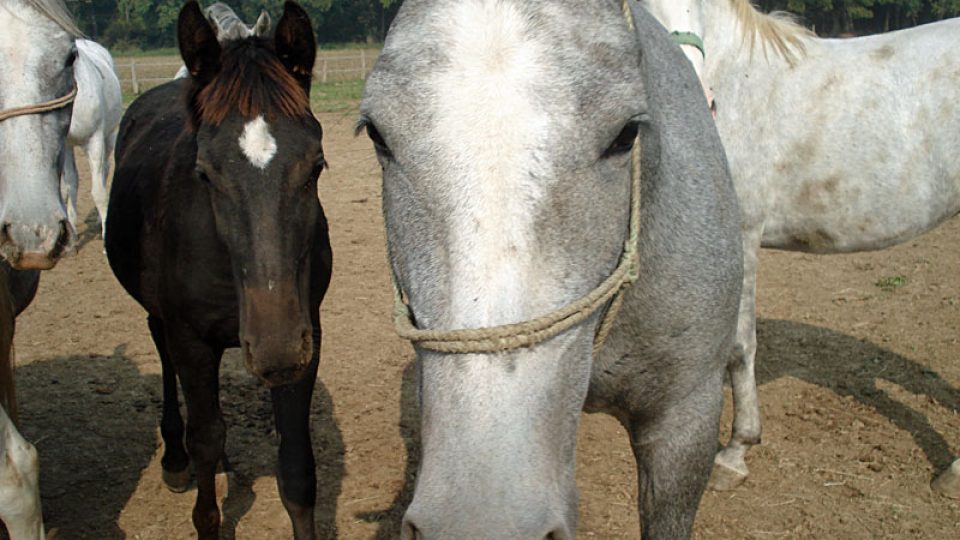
{"x":505,"y":129}
{"x":36,"y":67}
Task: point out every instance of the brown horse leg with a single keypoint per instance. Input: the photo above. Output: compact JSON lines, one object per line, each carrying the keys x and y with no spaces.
{"x":8,"y":391}
{"x":174,"y":462}
{"x":198,"y":367}
{"x":297,"y":476}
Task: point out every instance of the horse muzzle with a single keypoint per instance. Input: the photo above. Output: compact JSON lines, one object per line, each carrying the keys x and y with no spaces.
{"x":276,"y":337}
{"x":279,"y":360}
{"x":35,"y":247}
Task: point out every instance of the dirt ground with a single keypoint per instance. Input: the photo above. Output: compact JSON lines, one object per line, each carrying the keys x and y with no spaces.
{"x":858,"y":384}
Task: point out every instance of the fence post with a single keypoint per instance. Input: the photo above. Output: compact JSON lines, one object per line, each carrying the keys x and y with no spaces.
{"x":323,"y":72}
{"x":363,"y":64}
{"x":133,"y":75}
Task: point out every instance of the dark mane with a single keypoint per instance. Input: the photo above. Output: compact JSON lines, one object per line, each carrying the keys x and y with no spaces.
{"x":252,"y":82}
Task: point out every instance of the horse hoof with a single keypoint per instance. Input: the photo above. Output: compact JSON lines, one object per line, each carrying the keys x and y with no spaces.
{"x":724,"y":478}
{"x":177,"y":482}
{"x":948,"y":483}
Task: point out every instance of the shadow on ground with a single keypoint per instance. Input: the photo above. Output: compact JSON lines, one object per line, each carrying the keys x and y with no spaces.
{"x":94,"y":422}
{"x":851,"y":367}
{"x":92,"y":419}
{"x":390,"y":519}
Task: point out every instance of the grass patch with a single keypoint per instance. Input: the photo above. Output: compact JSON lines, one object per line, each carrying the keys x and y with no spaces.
{"x":347,"y":46}
{"x":138,"y":53}
{"x":324,"y":97}
{"x":336,"y":96}
{"x":891,"y":283}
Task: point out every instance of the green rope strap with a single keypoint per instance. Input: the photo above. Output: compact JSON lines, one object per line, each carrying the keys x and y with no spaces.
{"x":689,"y":38}
{"x":529,"y":333}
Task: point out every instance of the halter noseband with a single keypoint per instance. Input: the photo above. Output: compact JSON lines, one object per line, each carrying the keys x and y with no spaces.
{"x":509,"y":337}
{"x":46,"y":106}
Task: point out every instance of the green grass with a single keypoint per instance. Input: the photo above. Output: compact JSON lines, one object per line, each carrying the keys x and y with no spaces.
{"x":137,"y":53}
{"x":336,"y":96}
{"x":347,"y":46}
{"x":890,"y":283}
{"x":324,"y":97}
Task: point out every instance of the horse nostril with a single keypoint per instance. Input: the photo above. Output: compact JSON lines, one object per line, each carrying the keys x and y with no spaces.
{"x":282,"y":376}
{"x":410,"y":532}
{"x":4,"y":233}
{"x":63,"y":239}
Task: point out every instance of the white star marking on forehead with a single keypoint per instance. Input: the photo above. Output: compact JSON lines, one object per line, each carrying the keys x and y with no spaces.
{"x":257,"y":144}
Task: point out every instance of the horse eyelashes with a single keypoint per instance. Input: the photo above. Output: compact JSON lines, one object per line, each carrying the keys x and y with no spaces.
{"x":624,"y":141}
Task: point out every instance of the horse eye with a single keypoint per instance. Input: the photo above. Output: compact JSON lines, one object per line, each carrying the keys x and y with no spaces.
{"x":377,"y":139}
{"x":624,"y":141}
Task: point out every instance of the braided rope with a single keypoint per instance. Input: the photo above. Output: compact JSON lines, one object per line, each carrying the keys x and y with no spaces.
{"x":46,"y":106}
{"x":529,"y":333}
{"x":509,"y":337}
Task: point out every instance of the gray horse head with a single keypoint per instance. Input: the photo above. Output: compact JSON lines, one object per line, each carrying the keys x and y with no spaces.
{"x":37,"y":52}
{"x":505,"y":131}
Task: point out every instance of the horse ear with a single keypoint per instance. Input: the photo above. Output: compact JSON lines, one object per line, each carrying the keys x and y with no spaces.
{"x":262,"y":28}
{"x":295,"y":44}
{"x":198,"y":43}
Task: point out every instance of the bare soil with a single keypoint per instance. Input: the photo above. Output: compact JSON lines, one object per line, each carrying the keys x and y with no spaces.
{"x":858,"y":384}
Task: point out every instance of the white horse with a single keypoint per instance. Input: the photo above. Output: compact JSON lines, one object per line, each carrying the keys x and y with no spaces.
{"x":835,"y":145}
{"x":37,"y":90}
{"x":228,"y":26}
{"x":93,"y":126}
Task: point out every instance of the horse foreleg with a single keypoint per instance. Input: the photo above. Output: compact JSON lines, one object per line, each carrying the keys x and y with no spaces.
{"x":99,"y":157}
{"x":68,"y":185}
{"x":175,"y":462}
{"x":674,"y":454}
{"x":198,"y":367}
{"x":731,"y":466}
{"x":948,"y":483}
{"x":19,"y":484}
{"x":297,"y":478}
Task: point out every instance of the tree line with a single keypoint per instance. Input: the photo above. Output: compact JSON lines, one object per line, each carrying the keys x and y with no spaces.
{"x":859,"y":17}
{"x":149,"y":24}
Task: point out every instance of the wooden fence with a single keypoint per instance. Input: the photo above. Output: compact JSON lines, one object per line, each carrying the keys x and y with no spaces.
{"x":139,"y":74}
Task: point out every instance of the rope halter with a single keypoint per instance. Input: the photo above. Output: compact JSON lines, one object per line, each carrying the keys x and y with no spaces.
{"x":46,"y":106}
{"x":524,"y":334}
{"x":509,"y":337}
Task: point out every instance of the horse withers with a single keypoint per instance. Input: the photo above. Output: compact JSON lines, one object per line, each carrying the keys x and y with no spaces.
{"x":37,"y":54}
{"x":505,"y":130}
{"x":216,"y":229}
